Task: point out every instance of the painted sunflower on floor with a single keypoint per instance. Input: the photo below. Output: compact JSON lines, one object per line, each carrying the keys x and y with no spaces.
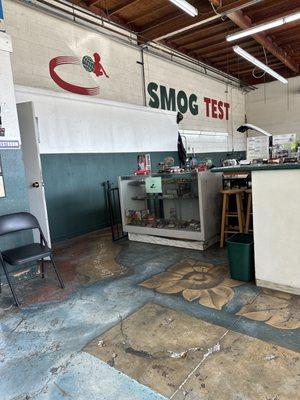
{"x":210,"y":284}
{"x":278,"y":309}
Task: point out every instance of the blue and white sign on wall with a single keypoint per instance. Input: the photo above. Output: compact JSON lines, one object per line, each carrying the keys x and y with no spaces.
{"x":1,"y":17}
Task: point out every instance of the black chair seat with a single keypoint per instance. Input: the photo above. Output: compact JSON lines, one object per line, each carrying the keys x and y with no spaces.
{"x":24,"y":254}
{"x":18,"y":222}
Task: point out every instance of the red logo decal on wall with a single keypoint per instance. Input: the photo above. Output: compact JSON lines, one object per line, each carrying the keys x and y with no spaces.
{"x":89,"y":64}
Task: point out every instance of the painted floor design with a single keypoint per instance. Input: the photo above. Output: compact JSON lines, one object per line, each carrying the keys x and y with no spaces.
{"x":159,"y":347}
{"x":210,"y":284}
{"x":41,"y":344}
{"x":278,"y":309}
{"x":212,"y":287}
{"x":82,"y":261}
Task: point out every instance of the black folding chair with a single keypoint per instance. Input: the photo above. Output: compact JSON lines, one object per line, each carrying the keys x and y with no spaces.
{"x":25,"y":254}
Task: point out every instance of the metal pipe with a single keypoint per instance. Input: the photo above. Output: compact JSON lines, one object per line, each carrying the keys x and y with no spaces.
{"x":125,"y":39}
{"x":143,"y":75}
{"x":209,"y":19}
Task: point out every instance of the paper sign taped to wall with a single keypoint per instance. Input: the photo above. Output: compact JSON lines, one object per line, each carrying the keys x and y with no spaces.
{"x":153,"y":185}
{"x":284,"y":139}
{"x":257,"y":147}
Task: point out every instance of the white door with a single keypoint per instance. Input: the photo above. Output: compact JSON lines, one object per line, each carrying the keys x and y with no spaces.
{"x":32,"y":163}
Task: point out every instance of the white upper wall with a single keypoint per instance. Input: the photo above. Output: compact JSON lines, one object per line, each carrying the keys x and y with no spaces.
{"x":275,"y":107}
{"x":173,"y":76}
{"x":38,"y":37}
{"x":69,"y":123}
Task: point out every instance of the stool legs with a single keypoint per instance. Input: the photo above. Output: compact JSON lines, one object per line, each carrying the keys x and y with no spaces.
{"x":224,"y":218}
{"x":248,"y":212}
{"x":239,"y":212}
{"x":226,"y":214}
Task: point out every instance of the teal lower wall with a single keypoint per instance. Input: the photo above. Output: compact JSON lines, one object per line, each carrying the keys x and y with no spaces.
{"x":16,"y":195}
{"x":74,"y":187}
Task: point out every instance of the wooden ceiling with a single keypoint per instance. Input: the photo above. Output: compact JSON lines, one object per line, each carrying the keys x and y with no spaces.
{"x":163,"y":22}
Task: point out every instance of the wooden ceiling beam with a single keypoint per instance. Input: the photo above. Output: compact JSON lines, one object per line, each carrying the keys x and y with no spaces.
{"x":212,"y":52}
{"x":211,"y":39}
{"x":198,"y":58}
{"x":190,"y":38}
{"x":244,"y":22}
{"x":174,"y":23}
{"x":168,"y":6}
{"x":149,"y":13}
{"x":90,"y":3}
{"x":123,"y":6}
{"x":100,"y":12}
{"x":287,"y":34}
{"x":238,"y":73}
{"x":215,"y":47}
{"x":269,"y":9}
{"x":230,"y":55}
{"x":235,"y":64}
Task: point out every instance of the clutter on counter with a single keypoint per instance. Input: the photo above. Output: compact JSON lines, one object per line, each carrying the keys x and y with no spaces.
{"x":183,"y":206}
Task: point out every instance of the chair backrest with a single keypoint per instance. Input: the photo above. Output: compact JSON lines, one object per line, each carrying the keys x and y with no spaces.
{"x":17,"y":222}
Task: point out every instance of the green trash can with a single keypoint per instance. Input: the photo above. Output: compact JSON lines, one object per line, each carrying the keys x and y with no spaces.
{"x":240,"y":250}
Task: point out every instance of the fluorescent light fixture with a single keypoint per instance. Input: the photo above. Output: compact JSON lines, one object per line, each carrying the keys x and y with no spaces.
{"x":185,"y":6}
{"x":263,"y":27}
{"x":292,"y":17}
{"x":238,"y":50}
{"x":255,"y":29}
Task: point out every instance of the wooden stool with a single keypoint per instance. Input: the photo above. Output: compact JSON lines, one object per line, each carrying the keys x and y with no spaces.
{"x":248,"y":211}
{"x":239,"y":213}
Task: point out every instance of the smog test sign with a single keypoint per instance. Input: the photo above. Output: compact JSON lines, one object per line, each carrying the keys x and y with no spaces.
{"x":153,"y":185}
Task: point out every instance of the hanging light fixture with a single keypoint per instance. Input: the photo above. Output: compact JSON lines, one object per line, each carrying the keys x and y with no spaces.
{"x":264,"y":27}
{"x":185,"y":6}
{"x":238,"y":50}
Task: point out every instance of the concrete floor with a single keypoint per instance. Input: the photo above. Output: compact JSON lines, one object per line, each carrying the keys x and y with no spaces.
{"x":139,"y":321}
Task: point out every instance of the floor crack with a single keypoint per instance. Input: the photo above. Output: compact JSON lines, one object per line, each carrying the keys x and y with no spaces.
{"x":215,"y":348}
{"x":155,"y":355}
{"x":16,"y":327}
{"x":63,"y":392}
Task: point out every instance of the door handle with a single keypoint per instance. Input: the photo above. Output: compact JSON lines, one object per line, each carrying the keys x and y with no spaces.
{"x":35,"y":185}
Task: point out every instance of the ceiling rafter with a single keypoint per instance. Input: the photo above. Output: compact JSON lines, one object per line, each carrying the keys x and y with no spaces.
{"x":149,"y":13}
{"x":164,"y":26}
{"x":203,"y":37}
{"x":213,"y":39}
{"x":203,"y":34}
{"x":93,"y":2}
{"x":179,"y":13}
{"x":271,"y":8}
{"x":244,"y":22}
{"x":101,"y":12}
{"x":123,"y":6}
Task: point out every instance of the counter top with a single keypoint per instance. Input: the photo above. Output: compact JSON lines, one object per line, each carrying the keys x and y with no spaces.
{"x":163,"y":175}
{"x":256,"y":167}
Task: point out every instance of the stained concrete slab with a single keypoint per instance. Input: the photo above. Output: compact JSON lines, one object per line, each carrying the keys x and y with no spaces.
{"x":104,"y":382}
{"x":54,"y":325}
{"x":82,"y":261}
{"x":244,"y":368}
{"x":157,"y":346}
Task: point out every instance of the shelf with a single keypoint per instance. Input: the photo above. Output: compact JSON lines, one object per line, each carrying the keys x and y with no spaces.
{"x":172,"y":233}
